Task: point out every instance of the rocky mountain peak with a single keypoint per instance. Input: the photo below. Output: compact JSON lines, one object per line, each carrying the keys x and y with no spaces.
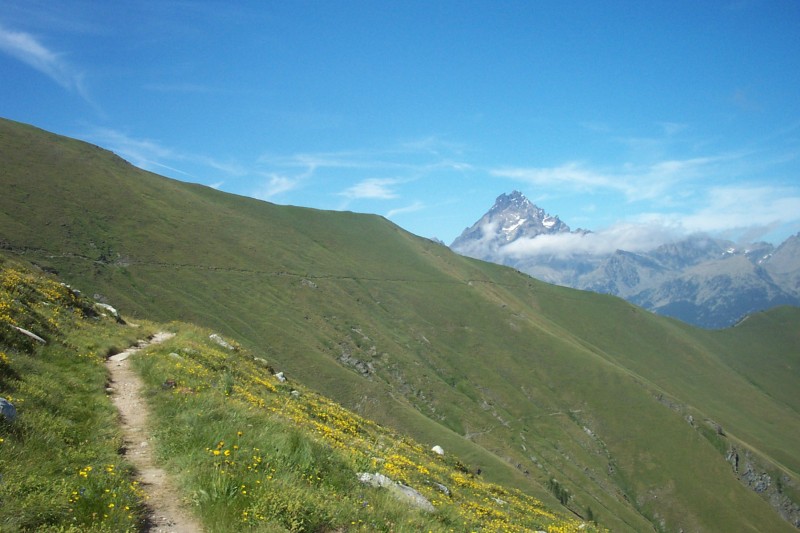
{"x":511,"y":217}
{"x":516,"y":205}
{"x":515,"y":201}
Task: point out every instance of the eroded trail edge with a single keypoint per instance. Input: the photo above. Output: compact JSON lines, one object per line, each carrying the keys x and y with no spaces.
{"x":164,"y":510}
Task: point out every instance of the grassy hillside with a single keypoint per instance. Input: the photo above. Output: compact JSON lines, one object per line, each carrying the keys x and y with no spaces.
{"x":250,"y":452}
{"x":570,"y":396}
{"x":58,"y":457}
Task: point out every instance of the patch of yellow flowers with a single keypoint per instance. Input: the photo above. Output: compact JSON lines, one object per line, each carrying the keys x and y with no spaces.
{"x":46,"y":303}
{"x":478,"y":505}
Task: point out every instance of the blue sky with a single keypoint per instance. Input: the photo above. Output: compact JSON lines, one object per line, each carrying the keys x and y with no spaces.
{"x":637,"y":120}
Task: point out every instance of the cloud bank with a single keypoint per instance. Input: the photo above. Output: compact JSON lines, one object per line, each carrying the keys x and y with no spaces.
{"x":629,"y":237}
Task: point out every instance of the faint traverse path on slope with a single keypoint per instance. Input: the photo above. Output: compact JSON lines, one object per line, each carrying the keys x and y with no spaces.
{"x":164,"y":511}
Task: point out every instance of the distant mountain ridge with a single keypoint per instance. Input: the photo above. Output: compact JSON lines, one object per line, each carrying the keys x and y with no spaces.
{"x":701,"y":280}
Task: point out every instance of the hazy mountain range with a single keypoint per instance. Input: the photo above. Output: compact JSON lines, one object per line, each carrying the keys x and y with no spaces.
{"x":708,"y":282}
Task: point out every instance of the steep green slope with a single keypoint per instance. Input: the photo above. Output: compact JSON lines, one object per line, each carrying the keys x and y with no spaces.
{"x":248,"y":451}
{"x":621,"y":415}
{"x":59,"y":459}
{"x":765,"y":349}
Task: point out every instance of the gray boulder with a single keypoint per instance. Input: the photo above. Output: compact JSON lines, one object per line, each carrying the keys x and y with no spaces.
{"x":109,"y":310}
{"x":398,"y":490}
{"x":7,"y":410}
{"x":222,"y":342}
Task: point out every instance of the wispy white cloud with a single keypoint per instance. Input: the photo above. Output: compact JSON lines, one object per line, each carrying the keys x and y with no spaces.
{"x":389,"y":167}
{"x":572,"y":175}
{"x":372,"y":188}
{"x":286,"y":177}
{"x":741,"y":210}
{"x":635,"y":182}
{"x":658,"y":180}
{"x":28,"y":49}
{"x":154,"y":156}
{"x":421,"y":153}
{"x":143,"y":153}
{"x":230,"y":168}
{"x":275,"y":175}
{"x":276,"y":184}
{"x":416,"y":206}
{"x":310,"y":162}
{"x":431,"y":145}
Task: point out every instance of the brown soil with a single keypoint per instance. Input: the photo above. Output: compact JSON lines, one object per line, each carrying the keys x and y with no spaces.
{"x":165,"y":509}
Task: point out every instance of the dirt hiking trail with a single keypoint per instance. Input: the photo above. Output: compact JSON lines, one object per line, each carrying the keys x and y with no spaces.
{"x":165,"y":512}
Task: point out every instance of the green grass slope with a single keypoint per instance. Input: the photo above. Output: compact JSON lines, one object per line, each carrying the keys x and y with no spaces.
{"x":58,"y":457}
{"x":249,"y":452}
{"x":575,"y":397}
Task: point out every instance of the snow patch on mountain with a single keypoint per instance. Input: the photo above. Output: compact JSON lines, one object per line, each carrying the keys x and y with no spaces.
{"x":509,"y":229}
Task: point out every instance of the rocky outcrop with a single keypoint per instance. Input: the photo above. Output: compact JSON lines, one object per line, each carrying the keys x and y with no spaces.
{"x":400,"y":491}
{"x":346,"y":357}
{"x":753,"y":474}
